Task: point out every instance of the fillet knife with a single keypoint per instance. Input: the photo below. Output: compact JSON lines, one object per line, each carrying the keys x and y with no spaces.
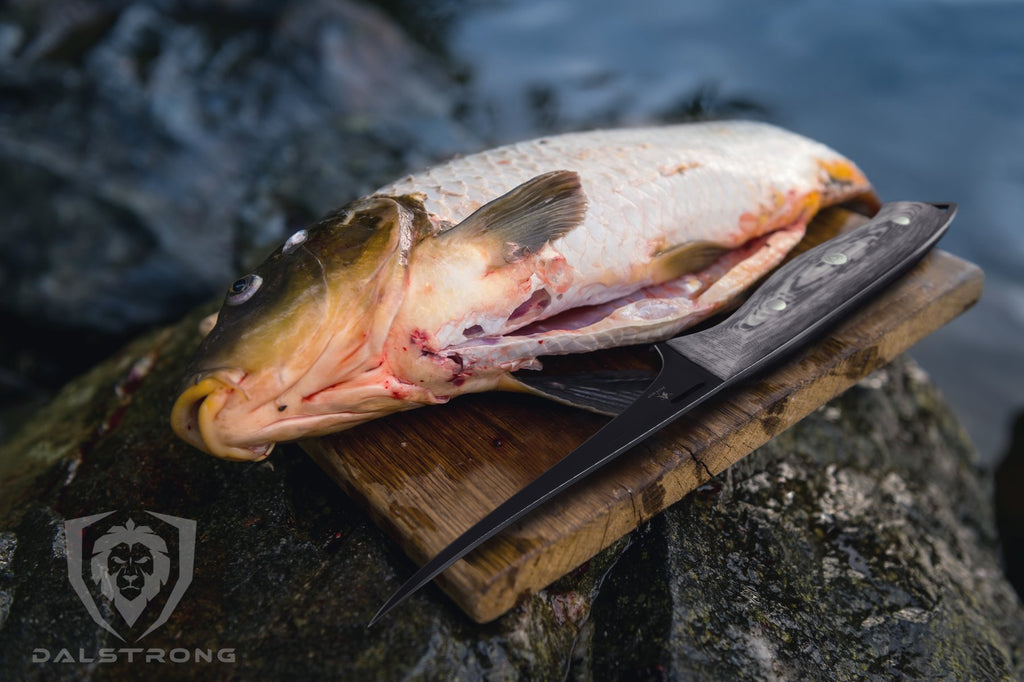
{"x":794,"y":305}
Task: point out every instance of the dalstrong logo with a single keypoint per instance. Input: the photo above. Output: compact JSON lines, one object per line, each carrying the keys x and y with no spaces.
{"x":130,"y":571}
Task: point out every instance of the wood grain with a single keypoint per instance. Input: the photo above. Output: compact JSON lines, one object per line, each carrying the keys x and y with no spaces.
{"x":427,"y":475}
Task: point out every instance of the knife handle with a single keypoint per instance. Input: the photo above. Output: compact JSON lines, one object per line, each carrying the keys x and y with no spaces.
{"x":816,"y":289}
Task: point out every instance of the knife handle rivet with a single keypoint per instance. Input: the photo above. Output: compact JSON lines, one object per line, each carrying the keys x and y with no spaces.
{"x":777,"y":304}
{"x":835,"y":258}
{"x":901,"y":220}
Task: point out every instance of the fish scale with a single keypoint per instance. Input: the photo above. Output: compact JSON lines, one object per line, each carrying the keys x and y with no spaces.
{"x":648,"y":185}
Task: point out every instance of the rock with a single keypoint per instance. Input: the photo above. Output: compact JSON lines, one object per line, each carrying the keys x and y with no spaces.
{"x":153,"y":151}
{"x":1010,"y":506}
{"x":860,"y":543}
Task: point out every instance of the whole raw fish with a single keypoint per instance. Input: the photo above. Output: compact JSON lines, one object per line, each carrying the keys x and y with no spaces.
{"x":444,"y":282}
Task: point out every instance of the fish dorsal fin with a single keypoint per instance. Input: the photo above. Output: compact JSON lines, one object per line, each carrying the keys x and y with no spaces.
{"x":521,"y":221}
{"x":685,"y":258}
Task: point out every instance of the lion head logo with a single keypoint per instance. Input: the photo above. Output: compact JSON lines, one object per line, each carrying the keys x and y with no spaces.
{"x":131,"y":566}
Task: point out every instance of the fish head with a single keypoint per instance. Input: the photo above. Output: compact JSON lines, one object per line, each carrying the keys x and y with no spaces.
{"x":297,"y":346}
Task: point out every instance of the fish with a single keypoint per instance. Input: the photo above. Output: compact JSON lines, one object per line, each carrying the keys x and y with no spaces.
{"x":447,"y":281}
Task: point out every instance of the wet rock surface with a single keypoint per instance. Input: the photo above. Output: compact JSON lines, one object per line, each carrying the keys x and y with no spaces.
{"x":169,"y":143}
{"x":858,"y":544}
{"x":152,"y":151}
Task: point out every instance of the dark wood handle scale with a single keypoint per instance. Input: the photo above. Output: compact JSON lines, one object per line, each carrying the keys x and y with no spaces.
{"x":799,"y":300}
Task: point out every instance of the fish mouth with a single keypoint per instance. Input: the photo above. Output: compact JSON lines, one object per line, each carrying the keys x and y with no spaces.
{"x":193,"y":419}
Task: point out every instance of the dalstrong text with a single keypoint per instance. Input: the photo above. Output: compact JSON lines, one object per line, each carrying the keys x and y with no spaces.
{"x":135,"y":655}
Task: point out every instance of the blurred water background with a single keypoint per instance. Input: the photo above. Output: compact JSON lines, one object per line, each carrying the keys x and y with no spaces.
{"x":148,"y":150}
{"x":926,"y":95}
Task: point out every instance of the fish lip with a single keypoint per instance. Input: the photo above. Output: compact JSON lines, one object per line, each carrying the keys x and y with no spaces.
{"x":192,"y":419}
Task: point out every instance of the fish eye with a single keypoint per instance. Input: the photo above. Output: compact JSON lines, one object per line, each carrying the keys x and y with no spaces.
{"x":243,"y":289}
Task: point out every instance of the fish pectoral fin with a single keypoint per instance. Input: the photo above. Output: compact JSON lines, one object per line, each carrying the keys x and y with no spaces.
{"x":679,"y":260}
{"x":521,"y":221}
{"x":606,"y":392}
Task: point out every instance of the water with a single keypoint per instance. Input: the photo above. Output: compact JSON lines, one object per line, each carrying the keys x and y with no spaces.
{"x":927,"y":96}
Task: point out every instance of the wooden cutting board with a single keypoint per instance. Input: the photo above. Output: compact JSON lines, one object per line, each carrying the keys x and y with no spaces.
{"x":427,"y":475}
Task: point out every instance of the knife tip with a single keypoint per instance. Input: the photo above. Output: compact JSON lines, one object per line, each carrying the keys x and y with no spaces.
{"x":377,"y":616}
{"x":394,"y":600}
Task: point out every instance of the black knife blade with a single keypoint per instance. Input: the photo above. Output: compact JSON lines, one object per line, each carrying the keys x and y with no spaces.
{"x":795,"y":304}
